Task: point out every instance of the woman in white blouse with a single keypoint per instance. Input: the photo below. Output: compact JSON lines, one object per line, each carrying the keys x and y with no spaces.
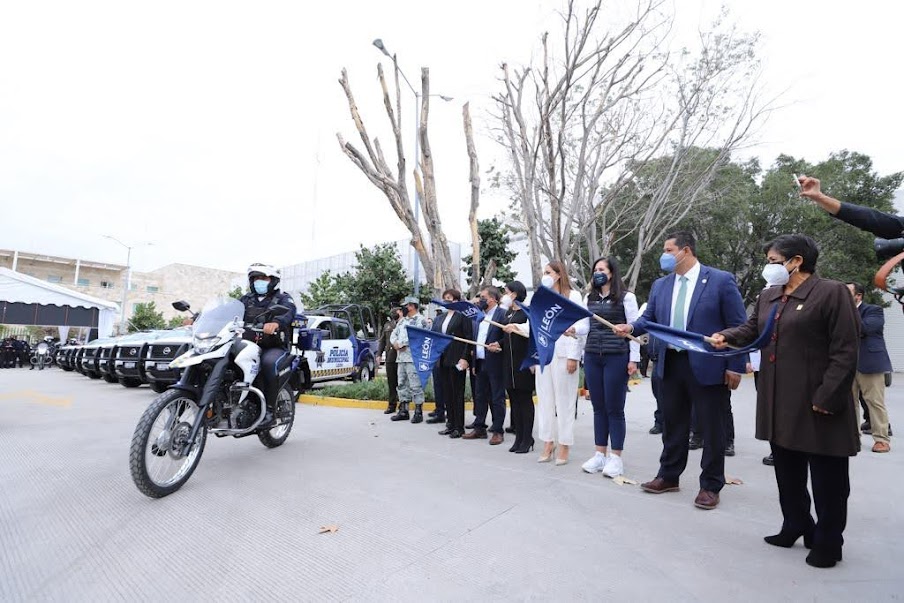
{"x":557,"y":383}
{"x":608,"y":362}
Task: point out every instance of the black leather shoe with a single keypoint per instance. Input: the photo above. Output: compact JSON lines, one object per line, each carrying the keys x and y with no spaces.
{"x":656,"y":429}
{"x":824,"y":557}
{"x":729,"y":450}
{"x":455,"y":434}
{"x":436,"y":419}
{"x":768,"y":460}
{"x":444,"y":432}
{"x":695,"y":443}
{"x":431,"y":414}
{"x":787,"y":539}
{"x":389,"y":410}
{"x":866,"y":428}
{"x":509,"y":430}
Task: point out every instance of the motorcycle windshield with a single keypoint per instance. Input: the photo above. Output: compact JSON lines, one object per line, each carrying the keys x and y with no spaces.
{"x":42,"y":348}
{"x":216,"y":314}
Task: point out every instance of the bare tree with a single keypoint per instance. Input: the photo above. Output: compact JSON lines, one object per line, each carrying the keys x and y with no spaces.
{"x":435,"y":258}
{"x":474,"y":178}
{"x":580,"y":128}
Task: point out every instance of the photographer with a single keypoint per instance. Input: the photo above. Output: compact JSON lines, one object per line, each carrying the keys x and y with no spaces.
{"x":883,"y":225}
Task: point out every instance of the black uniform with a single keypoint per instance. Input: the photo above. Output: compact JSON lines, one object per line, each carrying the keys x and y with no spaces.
{"x":273,"y":347}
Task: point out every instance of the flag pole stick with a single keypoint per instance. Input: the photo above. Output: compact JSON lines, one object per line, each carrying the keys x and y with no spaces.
{"x":502,"y":326}
{"x":463,"y":340}
{"x":612,"y":326}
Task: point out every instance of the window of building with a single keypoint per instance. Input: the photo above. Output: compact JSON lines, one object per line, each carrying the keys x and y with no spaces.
{"x":54,"y":279}
{"x":83,"y":282}
{"x":106,"y":285}
{"x":153,"y":289}
{"x":133,"y":286}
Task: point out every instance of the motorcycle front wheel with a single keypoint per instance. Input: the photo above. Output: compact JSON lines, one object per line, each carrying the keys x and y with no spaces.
{"x":159,"y":458}
{"x":285,"y":418}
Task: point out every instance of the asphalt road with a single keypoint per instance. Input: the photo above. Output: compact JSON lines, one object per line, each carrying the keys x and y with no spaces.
{"x":420,"y":517}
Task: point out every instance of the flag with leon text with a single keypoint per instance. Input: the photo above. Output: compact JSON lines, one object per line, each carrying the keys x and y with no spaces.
{"x":550,"y":315}
{"x":426,"y":348}
{"x":694,"y":342}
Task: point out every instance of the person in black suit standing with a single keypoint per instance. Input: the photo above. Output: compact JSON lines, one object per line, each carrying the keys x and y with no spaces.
{"x":438,"y":415}
{"x":454,"y":364}
{"x":695,"y":298}
{"x":872,"y":365}
{"x":488,"y":370}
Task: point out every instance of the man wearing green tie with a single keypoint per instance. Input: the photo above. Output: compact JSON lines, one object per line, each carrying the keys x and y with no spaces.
{"x":695,"y":298}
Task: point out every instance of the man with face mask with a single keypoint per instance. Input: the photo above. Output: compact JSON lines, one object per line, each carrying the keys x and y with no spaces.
{"x":392,"y":371}
{"x":696,"y":298}
{"x":274,"y":342}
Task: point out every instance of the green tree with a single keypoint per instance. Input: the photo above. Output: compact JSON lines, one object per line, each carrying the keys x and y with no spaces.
{"x":175,"y":322}
{"x":378,"y":280}
{"x":236,"y":293}
{"x":494,"y":245}
{"x":325,"y":289}
{"x":146,"y":317}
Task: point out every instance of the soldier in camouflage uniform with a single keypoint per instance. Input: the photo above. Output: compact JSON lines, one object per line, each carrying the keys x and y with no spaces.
{"x":410,"y":389}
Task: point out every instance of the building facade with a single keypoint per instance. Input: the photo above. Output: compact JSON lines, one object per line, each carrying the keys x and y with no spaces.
{"x":163,"y":286}
{"x":297,"y":278}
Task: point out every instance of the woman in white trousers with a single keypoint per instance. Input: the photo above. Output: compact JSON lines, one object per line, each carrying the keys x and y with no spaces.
{"x":557,"y":383}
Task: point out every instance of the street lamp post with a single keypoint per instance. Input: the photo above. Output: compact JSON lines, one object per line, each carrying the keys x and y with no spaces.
{"x":128,"y":280}
{"x":417,"y":122}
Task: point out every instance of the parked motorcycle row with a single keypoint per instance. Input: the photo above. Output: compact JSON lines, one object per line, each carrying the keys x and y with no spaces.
{"x":130,"y":360}
{"x":15,"y":352}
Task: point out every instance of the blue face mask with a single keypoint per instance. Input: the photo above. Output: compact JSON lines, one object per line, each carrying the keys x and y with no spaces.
{"x":667,"y":262}
{"x":260,"y":287}
{"x":600,"y":279}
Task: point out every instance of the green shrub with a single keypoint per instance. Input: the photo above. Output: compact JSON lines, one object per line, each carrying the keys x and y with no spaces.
{"x":378,"y":389}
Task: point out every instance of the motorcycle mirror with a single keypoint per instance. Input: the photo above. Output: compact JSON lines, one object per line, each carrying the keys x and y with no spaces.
{"x":181,"y":305}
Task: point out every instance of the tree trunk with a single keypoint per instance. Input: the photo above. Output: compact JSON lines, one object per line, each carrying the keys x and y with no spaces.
{"x":474,"y":177}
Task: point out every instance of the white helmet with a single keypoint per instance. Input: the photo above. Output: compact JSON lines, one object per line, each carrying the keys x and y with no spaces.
{"x":267,"y":270}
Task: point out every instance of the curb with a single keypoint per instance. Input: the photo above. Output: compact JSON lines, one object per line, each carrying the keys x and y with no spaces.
{"x":313,"y":400}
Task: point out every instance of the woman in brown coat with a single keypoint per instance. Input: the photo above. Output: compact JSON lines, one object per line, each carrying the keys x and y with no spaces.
{"x":805,"y":408}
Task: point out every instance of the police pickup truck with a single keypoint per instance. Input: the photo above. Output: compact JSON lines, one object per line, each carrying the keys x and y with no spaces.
{"x":339,"y":342}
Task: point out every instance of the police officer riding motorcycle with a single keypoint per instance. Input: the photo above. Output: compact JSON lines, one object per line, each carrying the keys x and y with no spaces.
{"x":274,"y":342}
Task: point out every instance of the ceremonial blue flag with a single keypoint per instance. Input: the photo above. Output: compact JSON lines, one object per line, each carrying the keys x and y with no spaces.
{"x":426,"y":348}
{"x":694,"y":342}
{"x":465,"y":307}
{"x":550,"y":316}
{"x":532,"y":358}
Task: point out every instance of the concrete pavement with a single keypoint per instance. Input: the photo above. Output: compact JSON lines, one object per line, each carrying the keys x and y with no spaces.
{"x":420,"y":517}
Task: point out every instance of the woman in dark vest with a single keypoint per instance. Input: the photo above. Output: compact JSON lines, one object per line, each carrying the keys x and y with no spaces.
{"x":608,"y":362}
{"x":519,"y":384}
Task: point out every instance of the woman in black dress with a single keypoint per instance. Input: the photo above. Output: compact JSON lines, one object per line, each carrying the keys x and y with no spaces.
{"x":519,"y":384}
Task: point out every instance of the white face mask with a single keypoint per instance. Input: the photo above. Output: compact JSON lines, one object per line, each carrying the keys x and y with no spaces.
{"x":547,"y":281}
{"x":506,"y":302}
{"x":775,"y":274}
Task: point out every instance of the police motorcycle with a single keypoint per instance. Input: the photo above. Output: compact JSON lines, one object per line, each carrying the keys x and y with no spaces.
{"x":41,"y":356}
{"x":215,"y":394}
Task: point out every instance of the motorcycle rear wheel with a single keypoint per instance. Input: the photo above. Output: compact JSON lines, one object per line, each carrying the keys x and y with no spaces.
{"x":157,"y":461}
{"x":285,"y":418}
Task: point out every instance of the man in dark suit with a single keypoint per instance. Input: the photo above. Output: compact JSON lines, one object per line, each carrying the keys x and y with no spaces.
{"x":392,"y":369}
{"x":872,"y":365}
{"x":454,"y":364}
{"x":439,"y":414}
{"x":488,"y":370}
{"x":700,"y":299}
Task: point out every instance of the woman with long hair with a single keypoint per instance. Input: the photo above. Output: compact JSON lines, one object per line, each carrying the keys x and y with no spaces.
{"x":557,"y":383}
{"x":608,"y":362}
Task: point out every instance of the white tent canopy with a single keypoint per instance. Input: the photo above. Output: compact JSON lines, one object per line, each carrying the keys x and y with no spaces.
{"x":18,"y":288}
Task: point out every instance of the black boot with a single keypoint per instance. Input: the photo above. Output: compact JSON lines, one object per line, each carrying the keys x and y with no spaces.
{"x":402,"y":415}
{"x":437,"y":418}
{"x":418,"y":413}
{"x":390,"y":409}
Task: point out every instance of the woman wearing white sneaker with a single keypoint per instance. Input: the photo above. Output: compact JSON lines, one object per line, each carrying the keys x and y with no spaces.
{"x":557,"y":383}
{"x":608,"y":362}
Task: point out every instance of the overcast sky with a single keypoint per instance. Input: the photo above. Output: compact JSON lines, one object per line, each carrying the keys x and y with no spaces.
{"x":208,"y":128}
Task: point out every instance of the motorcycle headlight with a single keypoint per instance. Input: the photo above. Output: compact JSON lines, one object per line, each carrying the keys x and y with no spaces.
{"x":203,"y":345}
